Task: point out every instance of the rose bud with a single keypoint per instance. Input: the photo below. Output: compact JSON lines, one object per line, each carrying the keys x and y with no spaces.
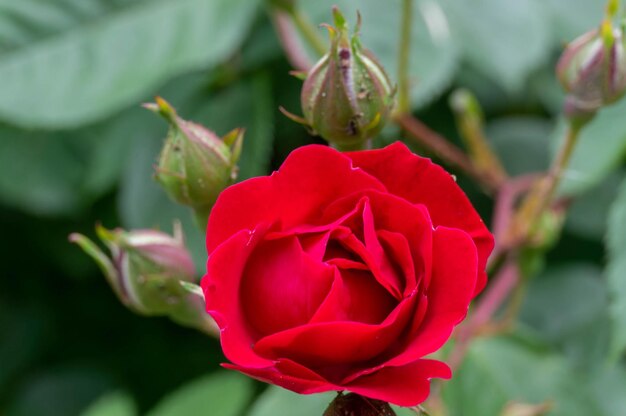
{"x":592,"y":70}
{"x":347,"y":96}
{"x":151,"y":273}
{"x":348,"y":273}
{"x":195,"y":164}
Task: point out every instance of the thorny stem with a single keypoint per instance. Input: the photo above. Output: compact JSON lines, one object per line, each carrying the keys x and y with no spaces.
{"x":308,"y":31}
{"x":540,"y":197}
{"x":451,"y":154}
{"x":404,"y":87}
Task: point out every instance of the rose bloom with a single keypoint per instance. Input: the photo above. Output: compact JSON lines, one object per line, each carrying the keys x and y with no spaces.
{"x":342,"y":271}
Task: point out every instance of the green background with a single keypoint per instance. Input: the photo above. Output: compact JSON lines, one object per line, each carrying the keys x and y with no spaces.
{"x":76,"y":148}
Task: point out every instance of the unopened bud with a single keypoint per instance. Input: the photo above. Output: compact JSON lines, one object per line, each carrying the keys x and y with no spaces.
{"x":151,"y":273}
{"x":347,"y":97}
{"x":592,"y":70}
{"x":354,"y":404}
{"x":195,"y":164}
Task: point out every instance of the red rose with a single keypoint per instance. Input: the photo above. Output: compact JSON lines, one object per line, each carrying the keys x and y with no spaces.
{"x":341,"y":271}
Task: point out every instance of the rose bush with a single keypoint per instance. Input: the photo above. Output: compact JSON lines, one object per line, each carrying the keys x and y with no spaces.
{"x":342,"y":271}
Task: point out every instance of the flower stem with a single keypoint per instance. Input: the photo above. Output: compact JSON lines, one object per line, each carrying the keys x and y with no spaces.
{"x":404,"y":87}
{"x":540,"y":197}
{"x":308,"y":31}
{"x":289,"y":41}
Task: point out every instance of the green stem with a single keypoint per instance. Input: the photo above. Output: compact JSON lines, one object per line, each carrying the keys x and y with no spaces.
{"x":541,"y":196}
{"x":404,"y":87}
{"x":308,"y":32}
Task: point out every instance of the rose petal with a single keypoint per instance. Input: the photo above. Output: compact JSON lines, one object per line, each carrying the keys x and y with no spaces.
{"x":397,"y":215}
{"x":288,"y":374}
{"x":282,"y":286}
{"x":449,"y":294}
{"x":309,"y":179}
{"x":355,"y":296}
{"x":336,"y":343}
{"x":221,"y":286}
{"x":397,"y":249}
{"x":419,"y":181}
{"x":408,"y":385}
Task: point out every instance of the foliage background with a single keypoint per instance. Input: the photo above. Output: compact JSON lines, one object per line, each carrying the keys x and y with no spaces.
{"x":76,"y":148}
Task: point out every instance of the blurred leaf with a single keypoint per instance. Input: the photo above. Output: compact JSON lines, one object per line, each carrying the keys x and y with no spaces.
{"x":498,"y":371}
{"x":572,"y":18}
{"x":568,"y":307}
{"x":61,"y":392}
{"x":224,"y":393}
{"x":276,"y":401}
{"x":616,"y":271}
{"x":511,"y":371}
{"x":504,"y":39}
{"x":600,"y":148}
{"x":39,"y":173}
{"x":522,"y":143}
{"x":112,"y":404}
{"x":434,"y":56}
{"x":588,"y":214}
{"x":93,"y":68}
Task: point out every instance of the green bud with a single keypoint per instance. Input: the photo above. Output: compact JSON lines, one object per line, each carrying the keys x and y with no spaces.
{"x":592,"y":70}
{"x":354,"y":404}
{"x":347,"y":97}
{"x":151,"y":273}
{"x":195,"y":165}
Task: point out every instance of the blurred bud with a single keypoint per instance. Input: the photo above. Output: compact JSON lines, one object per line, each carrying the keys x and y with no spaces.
{"x":592,"y":69}
{"x":354,"y":404}
{"x":523,"y":409}
{"x":151,"y":273}
{"x":195,"y":164}
{"x":347,"y":97}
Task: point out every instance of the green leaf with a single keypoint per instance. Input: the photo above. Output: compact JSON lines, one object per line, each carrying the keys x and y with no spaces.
{"x":521,"y":143}
{"x":616,"y":271}
{"x":276,"y":401}
{"x":39,"y":172}
{"x":498,"y":371}
{"x":224,"y":393}
{"x":587,"y":216}
{"x":600,"y":148}
{"x":567,"y":306}
{"x":572,"y":18}
{"x":112,"y":404}
{"x":434,"y":56}
{"x":84,"y":71}
{"x":505,"y":40}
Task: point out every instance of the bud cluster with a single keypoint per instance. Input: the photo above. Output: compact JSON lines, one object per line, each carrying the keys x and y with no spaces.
{"x":195,"y":164}
{"x":151,"y":273}
{"x":592,"y":70}
{"x":347,"y":97}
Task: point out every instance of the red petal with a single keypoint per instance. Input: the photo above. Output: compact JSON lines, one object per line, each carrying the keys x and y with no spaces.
{"x":221,"y":286}
{"x":310,"y":178}
{"x":282,"y":286}
{"x":336,"y":343}
{"x":419,"y":181}
{"x":408,"y":385}
{"x":449,"y":294}
{"x":290,"y":375}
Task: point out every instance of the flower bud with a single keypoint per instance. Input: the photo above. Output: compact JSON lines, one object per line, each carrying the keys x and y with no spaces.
{"x":151,"y":273}
{"x":592,"y":70}
{"x":195,"y":164}
{"x":354,"y":404}
{"x":347,"y":97}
